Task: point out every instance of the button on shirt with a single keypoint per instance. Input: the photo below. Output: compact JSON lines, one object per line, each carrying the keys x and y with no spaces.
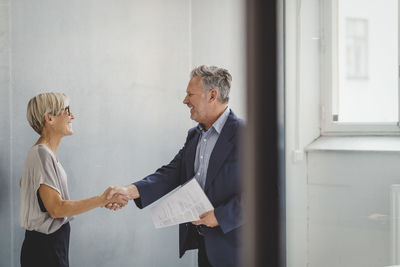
{"x":205,"y":146}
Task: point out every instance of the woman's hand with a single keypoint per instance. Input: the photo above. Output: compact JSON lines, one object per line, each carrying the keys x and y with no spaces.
{"x":59,"y":208}
{"x":130,"y":191}
{"x":117,"y":201}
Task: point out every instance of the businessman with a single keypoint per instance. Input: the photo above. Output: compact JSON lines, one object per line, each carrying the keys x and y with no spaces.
{"x":211,"y":156}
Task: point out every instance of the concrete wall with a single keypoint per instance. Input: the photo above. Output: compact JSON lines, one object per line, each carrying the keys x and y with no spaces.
{"x":349,"y":207}
{"x":338,"y":202}
{"x":302,"y":118}
{"x":6,"y":190}
{"x":213,"y":47}
{"x":125,"y":65}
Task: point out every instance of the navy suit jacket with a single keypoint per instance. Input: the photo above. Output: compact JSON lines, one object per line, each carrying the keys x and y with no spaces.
{"x":222,"y":188}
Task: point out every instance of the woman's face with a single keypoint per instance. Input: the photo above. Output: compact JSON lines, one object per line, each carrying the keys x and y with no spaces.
{"x":62,"y":124}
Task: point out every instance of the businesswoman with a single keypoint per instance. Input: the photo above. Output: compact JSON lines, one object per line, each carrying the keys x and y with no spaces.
{"x":45,"y":208}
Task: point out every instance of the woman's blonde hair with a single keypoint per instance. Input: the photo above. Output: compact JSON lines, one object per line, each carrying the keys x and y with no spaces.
{"x":46,"y":103}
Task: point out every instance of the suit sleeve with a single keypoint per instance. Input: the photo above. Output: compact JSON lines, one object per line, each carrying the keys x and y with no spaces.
{"x":229,"y":215}
{"x":164,"y":180}
{"x":156,"y":185}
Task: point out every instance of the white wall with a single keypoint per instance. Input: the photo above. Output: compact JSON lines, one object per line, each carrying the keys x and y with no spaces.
{"x":349,"y":207}
{"x":302,"y":118}
{"x":209,"y":28}
{"x":337,"y":201}
{"x":125,"y":65}
{"x":6,"y":240}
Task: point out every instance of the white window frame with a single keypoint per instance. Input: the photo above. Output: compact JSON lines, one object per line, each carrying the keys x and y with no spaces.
{"x":329,"y":78}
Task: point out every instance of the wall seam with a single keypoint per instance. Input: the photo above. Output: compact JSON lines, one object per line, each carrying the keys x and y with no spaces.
{"x":11,"y":173}
{"x":298,"y":81}
{"x":194,"y":260}
{"x":307,"y":214}
{"x":190,"y":36}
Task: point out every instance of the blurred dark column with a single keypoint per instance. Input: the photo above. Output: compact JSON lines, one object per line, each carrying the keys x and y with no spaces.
{"x":264,"y":164}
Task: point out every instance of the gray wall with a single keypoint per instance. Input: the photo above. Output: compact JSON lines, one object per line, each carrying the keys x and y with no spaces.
{"x":302,"y":70}
{"x":125,"y":65}
{"x":337,"y":200}
{"x":349,"y":207}
{"x":6,"y":214}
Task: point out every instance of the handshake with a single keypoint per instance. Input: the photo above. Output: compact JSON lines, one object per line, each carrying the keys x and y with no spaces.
{"x":116,"y":197}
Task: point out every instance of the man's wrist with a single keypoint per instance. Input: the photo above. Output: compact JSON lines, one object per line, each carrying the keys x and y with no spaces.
{"x":133,"y":191}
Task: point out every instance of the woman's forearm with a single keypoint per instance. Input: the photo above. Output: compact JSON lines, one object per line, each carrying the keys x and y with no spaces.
{"x":59,"y":208}
{"x":67,"y":208}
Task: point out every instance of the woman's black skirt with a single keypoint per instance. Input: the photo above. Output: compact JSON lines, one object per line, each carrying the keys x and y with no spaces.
{"x":46,"y":250}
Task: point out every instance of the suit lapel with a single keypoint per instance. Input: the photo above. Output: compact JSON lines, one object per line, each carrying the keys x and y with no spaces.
{"x":191,"y":155}
{"x":221,"y":151}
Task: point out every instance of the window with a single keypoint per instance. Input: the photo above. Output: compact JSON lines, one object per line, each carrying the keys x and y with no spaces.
{"x":360,"y":64}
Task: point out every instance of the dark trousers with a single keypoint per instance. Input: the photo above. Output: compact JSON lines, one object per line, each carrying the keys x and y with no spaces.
{"x":43,"y":250}
{"x":202,"y":259}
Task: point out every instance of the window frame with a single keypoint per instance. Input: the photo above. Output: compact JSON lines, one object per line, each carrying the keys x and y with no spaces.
{"x":329,"y":80}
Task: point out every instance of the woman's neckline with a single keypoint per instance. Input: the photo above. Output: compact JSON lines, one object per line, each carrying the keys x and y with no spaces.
{"x":48,"y":149}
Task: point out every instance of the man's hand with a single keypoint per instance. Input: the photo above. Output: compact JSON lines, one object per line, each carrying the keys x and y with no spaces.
{"x":208,"y":219}
{"x":130,"y":191}
{"x":117,"y":201}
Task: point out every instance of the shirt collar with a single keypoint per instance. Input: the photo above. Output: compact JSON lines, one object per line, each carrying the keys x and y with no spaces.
{"x":219,"y":123}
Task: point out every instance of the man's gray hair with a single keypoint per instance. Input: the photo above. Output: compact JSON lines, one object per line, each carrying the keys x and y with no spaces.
{"x":214,"y":77}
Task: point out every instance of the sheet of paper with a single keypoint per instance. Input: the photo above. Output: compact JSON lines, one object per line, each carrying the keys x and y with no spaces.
{"x":184,"y":205}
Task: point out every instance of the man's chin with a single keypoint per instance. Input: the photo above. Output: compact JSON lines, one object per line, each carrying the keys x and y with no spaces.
{"x":193,"y":118}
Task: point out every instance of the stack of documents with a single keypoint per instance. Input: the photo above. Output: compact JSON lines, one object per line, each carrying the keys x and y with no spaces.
{"x":184,"y":205}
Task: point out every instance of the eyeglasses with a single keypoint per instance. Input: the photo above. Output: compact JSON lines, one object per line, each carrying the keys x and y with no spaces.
{"x":68,"y":111}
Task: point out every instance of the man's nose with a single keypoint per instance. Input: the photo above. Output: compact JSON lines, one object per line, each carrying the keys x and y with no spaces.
{"x":185,"y":101}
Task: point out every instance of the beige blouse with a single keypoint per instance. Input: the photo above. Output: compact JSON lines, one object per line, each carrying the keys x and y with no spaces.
{"x":41,"y":167}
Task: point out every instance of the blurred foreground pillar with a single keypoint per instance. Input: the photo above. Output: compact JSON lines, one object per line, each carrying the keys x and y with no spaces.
{"x":263,"y":171}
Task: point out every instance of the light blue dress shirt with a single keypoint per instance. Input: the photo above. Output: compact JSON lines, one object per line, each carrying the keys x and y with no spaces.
{"x":205,"y":146}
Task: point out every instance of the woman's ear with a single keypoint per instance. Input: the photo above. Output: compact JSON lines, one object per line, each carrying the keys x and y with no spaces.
{"x":48,"y":118}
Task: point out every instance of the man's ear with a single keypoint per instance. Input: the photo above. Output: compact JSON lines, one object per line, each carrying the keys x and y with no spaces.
{"x":213,"y":94}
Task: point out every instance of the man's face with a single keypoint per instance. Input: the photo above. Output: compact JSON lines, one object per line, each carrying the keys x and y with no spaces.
{"x":196,"y":100}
